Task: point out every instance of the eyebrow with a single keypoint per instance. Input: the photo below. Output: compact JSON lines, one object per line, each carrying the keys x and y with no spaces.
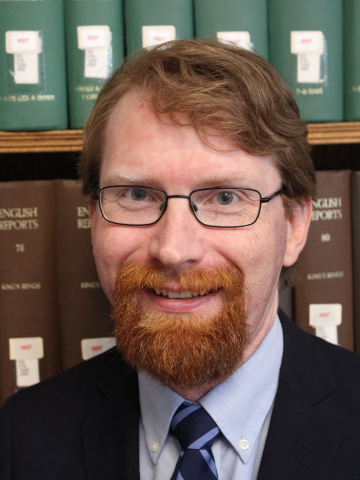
{"x":120,"y":177}
{"x":242,"y":180}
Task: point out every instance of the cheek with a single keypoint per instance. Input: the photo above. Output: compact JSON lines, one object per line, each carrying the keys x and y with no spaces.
{"x":112,"y":246}
{"x":258,"y":253}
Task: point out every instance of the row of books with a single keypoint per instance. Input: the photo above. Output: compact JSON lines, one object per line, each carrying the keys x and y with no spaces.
{"x":54,"y":314}
{"x":51,"y":56}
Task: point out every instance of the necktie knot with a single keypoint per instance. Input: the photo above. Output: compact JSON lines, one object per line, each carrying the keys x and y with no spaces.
{"x":194,"y":428}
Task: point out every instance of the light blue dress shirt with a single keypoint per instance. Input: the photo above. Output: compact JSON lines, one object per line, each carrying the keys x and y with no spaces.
{"x":241,"y":407}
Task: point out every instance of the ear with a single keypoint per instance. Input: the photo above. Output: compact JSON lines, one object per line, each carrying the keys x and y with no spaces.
{"x":297,"y":229}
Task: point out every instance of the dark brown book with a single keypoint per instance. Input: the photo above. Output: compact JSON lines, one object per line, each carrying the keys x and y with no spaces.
{"x":324,"y":295}
{"x":286,"y":302}
{"x":355,"y":207}
{"x":84,"y":308}
{"x":29,"y":328}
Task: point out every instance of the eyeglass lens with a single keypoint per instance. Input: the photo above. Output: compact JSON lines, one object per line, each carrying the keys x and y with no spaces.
{"x":223,"y":207}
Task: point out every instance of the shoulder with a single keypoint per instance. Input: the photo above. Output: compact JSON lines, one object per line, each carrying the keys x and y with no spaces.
{"x":312,"y":362}
{"x":74,"y":392}
{"x":45,"y":428}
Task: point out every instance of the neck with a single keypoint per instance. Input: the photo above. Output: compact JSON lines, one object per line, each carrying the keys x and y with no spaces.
{"x":195,"y":394}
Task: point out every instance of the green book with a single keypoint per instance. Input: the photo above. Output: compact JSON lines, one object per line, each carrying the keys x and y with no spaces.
{"x":352,"y":60}
{"x":306,"y":49}
{"x":151,"y":22}
{"x":95,"y":47}
{"x":32,"y":59}
{"x":241,"y":22}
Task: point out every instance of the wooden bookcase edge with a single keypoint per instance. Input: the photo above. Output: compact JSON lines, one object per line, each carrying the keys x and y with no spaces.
{"x":71,"y":140}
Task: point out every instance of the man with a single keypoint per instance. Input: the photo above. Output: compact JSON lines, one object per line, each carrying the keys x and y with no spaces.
{"x":200,"y":179}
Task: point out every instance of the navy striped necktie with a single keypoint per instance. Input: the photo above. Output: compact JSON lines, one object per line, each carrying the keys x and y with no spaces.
{"x":196,"y":432}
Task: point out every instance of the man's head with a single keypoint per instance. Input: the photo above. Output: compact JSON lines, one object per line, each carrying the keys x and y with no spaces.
{"x":185,"y":116}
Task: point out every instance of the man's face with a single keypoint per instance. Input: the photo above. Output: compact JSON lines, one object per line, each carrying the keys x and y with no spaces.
{"x":142,"y":150}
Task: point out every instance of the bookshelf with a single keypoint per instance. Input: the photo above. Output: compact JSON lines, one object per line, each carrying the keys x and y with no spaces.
{"x":71,"y":140}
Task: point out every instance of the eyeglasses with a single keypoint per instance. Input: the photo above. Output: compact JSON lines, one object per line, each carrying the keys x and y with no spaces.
{"x":214,"y":207}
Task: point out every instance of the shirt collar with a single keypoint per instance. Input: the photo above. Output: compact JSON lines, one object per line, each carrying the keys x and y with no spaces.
{"x":238,"y":405}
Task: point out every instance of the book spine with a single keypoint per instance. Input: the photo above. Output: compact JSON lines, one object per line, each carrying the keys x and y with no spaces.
{"x":29,"y":328}
{"x":33,"y":73}
{"x":95,"y":48}
{"x":306,"y":49}
{"x":286,"y":302}
{"x":355,"y":204}
{"x":239,"y":22}
{"x":351,"y":62}
{"x":323,"y":295}
{"x":151,"y":22}
{"x":84,"y":309}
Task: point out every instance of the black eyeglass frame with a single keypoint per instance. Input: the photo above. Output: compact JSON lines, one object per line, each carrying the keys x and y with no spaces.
{"x":191,"y":204}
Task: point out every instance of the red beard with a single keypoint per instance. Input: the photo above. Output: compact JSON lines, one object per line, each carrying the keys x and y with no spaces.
{"x":181,"y":350}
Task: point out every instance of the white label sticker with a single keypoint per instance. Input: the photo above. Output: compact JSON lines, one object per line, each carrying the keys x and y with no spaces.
{"x":25,"y":348}
{"x":27,"y":372}
{"x":90,"y":347}
{"x":157,"y":34}
{"x":307,"y":42}
{"x":96,"y":63}
{"x":308,"y":68}
{"x":26,"y":68}
{"x":328,"y":333}
{"x":96,"y":36}
{"x":240,"y":39}
{"x":324,"y":315}
{"x":22,"y":41}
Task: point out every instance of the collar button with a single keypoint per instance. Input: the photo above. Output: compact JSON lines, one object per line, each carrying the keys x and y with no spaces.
{"x":154,"y":447}
{"x":243,"y":444}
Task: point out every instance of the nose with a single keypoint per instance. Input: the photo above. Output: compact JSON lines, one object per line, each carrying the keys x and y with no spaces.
{"x":177,"y":238}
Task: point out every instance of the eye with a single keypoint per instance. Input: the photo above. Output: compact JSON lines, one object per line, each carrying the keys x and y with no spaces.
{"x":225,"y":198}
{"x":138,"y":194}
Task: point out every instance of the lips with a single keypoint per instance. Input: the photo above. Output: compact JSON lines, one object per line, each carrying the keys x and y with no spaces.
{"x":183,"y":295}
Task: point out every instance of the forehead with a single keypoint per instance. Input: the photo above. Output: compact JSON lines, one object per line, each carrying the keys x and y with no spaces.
{"x":143,"y":147}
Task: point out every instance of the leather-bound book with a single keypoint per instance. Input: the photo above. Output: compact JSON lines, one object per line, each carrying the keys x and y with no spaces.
{"x":29,"y":328}
{"x":324,"y":293}
{"x":95,"y":47}
{"x":240,"y":22}
{"x":286,"y":302}
{"x":306,"y":48}
{"x":32,"y":65}
{"x":351,"y":60}
{"x":152,"y":22}
{"x":355,"y":208}
{"x":84,"y":309}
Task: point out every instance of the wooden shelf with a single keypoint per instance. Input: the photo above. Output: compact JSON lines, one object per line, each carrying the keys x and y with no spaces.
{"x":49,"y":141}
{"x":334,"y":133}
{"x":71,"y":140}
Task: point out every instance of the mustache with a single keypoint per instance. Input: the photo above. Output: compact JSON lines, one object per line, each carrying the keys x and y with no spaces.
{"x":133,"y":276}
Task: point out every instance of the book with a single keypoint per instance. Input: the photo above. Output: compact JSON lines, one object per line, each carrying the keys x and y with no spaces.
{"x":238,"y":22}
{"x":29,"y":327}
{"x":152,"y":22}
{"x":33,"y":68}
{"x":83,"y":307}
{"x":351,"y":63}
{"x":355,"y":204}
{"x":324,"y":294}
{"x":306,"y":48}
{"x":286,"y":302}
{"x":94,"y":47}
